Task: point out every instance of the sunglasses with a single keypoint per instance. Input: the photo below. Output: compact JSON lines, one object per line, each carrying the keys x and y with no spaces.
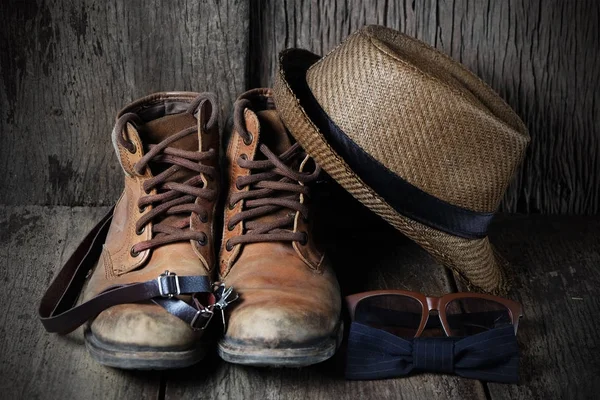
{"x":407,"y":314}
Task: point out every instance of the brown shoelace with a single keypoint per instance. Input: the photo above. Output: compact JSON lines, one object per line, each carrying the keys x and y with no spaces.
{"x":267,"y":185}
{"x":172,"y":197}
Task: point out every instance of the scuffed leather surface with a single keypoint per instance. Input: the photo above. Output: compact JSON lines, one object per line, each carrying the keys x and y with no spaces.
{"x":282,"y":300}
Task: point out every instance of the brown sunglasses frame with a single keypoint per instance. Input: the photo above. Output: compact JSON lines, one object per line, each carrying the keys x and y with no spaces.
{"x":430,"y":303}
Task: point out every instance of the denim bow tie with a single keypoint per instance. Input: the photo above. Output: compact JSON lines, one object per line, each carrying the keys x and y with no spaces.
{"x":491,"y":356}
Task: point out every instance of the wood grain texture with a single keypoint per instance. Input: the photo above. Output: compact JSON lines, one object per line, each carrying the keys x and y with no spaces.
{"x":366,"y":254}
{"x":34,"y":242}
{"x":68,"y":67}
{"x":557,"y":280}
{"x":542,"y":57}
{"x":555,"y":260}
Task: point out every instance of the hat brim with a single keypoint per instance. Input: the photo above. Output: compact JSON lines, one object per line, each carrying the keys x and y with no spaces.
{"x":473,"y":260}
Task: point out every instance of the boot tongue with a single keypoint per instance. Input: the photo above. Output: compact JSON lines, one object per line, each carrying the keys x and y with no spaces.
{"x":272,"y":132}
{"x":157,"y":130}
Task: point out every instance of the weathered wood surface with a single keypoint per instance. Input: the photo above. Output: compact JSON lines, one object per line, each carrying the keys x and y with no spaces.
{"x":543,"y":57}
{"x":34,"y":241}
{"x":557,"y":279}
{"x":67,"y":68}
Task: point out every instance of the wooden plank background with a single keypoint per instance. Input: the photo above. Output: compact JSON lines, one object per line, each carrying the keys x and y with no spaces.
{"x":67,"y":67}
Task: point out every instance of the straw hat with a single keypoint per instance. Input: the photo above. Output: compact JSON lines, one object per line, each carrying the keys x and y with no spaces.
{"x":414,"y":136}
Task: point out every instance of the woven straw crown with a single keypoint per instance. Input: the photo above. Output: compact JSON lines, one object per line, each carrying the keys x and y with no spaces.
{"x":418,"y":115}
{"x":422,"y":116}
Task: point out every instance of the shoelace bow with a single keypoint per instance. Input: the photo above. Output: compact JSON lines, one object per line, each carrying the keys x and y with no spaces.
{"x":172,"y":197}
{"x":268,"y":180}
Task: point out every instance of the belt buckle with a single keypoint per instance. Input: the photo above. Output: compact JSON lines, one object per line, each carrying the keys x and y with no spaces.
{"x":170,"y":282}
{"x":202,"y":313}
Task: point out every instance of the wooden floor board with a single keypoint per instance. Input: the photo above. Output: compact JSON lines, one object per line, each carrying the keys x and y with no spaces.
{"x":556,"y":269}
{"x":555,"y":260}
{"x":34,"y":242}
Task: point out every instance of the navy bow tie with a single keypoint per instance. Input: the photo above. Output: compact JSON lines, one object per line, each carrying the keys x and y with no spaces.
{"x":490,"y":356}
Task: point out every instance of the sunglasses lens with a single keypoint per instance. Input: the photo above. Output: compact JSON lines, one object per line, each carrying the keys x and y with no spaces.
{"x":472,"y":315}
{"x":397,"y":314}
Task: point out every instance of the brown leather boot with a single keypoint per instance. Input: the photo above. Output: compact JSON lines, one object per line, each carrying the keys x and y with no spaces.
{"x":289,"y":308}
{"x":159,"y":249}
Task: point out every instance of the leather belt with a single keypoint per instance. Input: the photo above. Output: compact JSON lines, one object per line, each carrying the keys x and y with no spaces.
{"x":58,"y":314}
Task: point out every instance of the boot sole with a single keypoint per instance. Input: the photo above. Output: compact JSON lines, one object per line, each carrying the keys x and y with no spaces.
{"x":290,"y":357}
{"x":130,"y":357}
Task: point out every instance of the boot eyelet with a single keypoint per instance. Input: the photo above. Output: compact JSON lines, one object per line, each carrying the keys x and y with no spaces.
{"x":134,"y":253}
{"x":203,"y":241}
{"x":204,"y":219}
{"x":140,"y":231}
{"x":142,"y":209}
{"x":133,"y":149}
{"x":228,"y":246}
{"x":249,"y":139}
{"x":304,"y":241}
{"x":142,"y":172}
{"x":231,"y":206}
{"x":230,"y":227}
{"x":243,"y":156}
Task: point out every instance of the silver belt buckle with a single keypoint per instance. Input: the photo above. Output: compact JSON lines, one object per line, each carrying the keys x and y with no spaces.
{"x":168,"y":276}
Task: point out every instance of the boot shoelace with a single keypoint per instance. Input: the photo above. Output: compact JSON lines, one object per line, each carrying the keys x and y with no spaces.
{"x":268,"y":181}
{"x":172,"y":197}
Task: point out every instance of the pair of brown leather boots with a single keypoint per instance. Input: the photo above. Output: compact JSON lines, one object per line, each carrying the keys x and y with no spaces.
{"x":177,"y":196}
